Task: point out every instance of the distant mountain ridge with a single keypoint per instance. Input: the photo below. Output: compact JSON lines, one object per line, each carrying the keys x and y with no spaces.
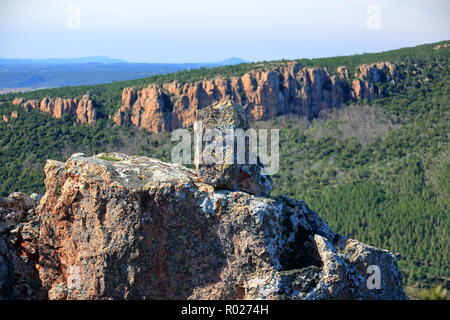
{"x":108,"y":60}
{"x":52,"y":61}
{"x":232,"y":61}
{"x":54,"y":72}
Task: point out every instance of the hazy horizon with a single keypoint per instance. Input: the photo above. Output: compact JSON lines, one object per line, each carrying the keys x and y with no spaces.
{"x":201,"y":31}
{"x":118,"y":60}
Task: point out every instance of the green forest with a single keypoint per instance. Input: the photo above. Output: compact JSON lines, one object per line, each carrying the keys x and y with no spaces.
{"x":377,"y":171}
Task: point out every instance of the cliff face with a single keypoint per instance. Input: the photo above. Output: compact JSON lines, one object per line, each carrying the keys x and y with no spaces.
{"x":291,"y":88}
{"x":114,"y":226}
{"x":288,"y":89}
{"x":146,"y":108}
{"x":82,"y":108}
{"x":368,"y":75}
{"x":8,"y":117}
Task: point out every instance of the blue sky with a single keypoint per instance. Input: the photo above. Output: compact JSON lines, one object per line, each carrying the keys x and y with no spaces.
{"x":212,"y":30}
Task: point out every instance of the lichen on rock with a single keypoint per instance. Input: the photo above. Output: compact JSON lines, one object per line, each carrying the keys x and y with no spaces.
{"x":228,"y":119}
{"x":139,"y":228}
{"x":113,"y":226}
{"x":19,"y":232}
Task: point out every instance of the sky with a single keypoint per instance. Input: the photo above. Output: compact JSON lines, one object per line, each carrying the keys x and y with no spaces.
{"x":212,"y":30}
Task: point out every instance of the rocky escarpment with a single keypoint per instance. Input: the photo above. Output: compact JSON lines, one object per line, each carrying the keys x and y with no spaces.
{"x":291,"y":88}
{"x":368,"y":75}
{"x":8,"y":117}
{"x":114,"y":226}
{"x":82,"y":108}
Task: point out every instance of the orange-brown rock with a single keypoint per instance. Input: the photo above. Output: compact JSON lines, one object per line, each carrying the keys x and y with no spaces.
{"x":19,"y":233}
{"x":342,"y":72}
{"x":120,"y":227}
{"x":265,"y":93}
{"x":368,"y":75}
{"x":114,"y":226}
{"x":83,"y":108}
{"x":12,"y":115}
{"x":290,"y":88}
{"x":441,"y":46}
{"x":146,"y":108}
{"x":377,"y":72}
{"x":363,"y":89}
{"x":18,"y":101}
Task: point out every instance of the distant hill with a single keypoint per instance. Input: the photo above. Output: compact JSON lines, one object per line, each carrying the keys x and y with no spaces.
{"x":54,"y":73}
{"x":52,"y":61}
{"x":232,"y":61}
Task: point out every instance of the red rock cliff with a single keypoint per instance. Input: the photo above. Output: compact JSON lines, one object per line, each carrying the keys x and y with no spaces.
{"x":266,"y":93}
{"x":82,"y":108}
{"x":367,"y":75}
{"x":290,"y":88}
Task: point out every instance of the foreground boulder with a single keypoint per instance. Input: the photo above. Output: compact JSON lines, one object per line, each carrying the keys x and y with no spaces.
{"x":120,"y":227}
{"x":19,"y":232}
{"x":230,"y":173}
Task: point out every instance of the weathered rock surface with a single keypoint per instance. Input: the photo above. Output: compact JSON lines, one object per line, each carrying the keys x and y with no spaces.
{"x":146,"y":108}
{"x":12,"y":115}
{"x":442,"y":46}
{"x":230,"y":172}
{"x":83,"y":108}
{"x":288,"y":88}
{"x":291,"y":88}
{"x":114,"y":226}
{"x":19,"y":232}
{"x":368,"y":75}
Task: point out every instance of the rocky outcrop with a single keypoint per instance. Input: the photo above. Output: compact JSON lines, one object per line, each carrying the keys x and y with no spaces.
{"x":18,"y":101}
{"x":82,"y":108}
{"x":19,"y":232}
{"x":147,"y":108}
{"x":291,"y":88}
{"x":231,"y":171}
{"x":342,"y":72}
{"x":12,"y":115}
{"x":377,"y":72}
{"x":114,"y":226}
{"x":368,"y":75}
{"x":441,"y":46}
{"x":266,"y":93}
{"x":121,"y":227}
